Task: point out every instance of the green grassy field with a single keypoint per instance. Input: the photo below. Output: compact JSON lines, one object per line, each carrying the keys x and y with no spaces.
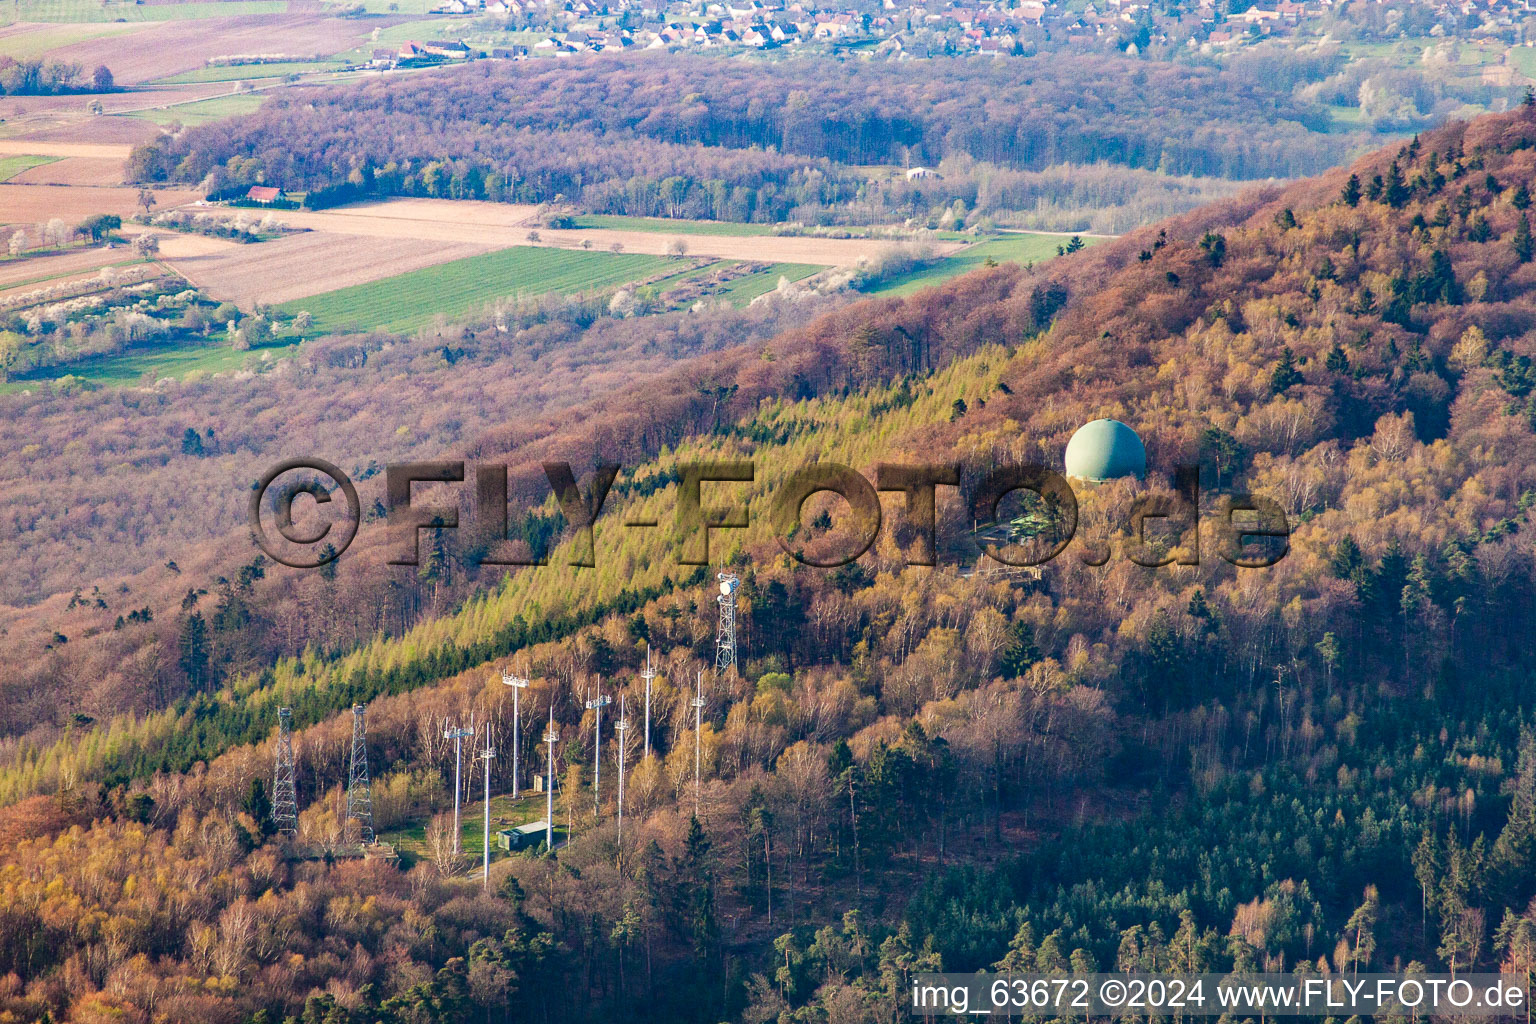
{"x":1013,"y":248}
{"x":130,"y":367}
{"x":245,"y":72}
{"x":392,"y":36}
{"x":10,"y":166}
{"x":117,"y":10}
{"x":39,"y":41}
{"x":203,"y":111}
{"x":1523,"y":58}
{"x":409,"y":301}
{"x":411,"y":838}
{"x":744,"y":289}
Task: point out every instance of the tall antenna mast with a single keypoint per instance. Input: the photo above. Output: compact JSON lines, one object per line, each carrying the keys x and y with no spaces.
{"x":648,"y":675}
{"x":518,"y":684}
{"x":622,"y":728}
{"x":359,"y":789}
{"x":457,"y":735}
{"x":487,"y":754}
{"x":698,"y":720}
{"x":725,"y":636}
{"x":285,"y":798}
{"x":551,"y":737}
{"x":597,"y":704}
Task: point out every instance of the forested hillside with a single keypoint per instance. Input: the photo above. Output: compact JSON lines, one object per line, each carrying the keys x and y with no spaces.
{"x":690,"y":136}
{"x":1325,"y":764}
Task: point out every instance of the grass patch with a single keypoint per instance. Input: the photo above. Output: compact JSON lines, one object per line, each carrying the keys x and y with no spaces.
{"x":10,"y":166}
{"x":130,"y":367}
{"x":410,"y":301}
{"x":744,"y":289}
{"x":1014,"y":248}
{"x":391,"y":36}
{"x":411,"y":838}
{"x":117,"y":10}
{"x":246,"y":72}
{"x":1523,"y":59}
{"x":38,"y":42}
{"x":202,"y":111}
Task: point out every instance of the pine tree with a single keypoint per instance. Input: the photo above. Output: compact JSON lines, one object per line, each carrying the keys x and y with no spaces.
{"x":1361,"y":930}
{"x":693,"y":888}
{"x":1514,"y":851}
{"x":1215,"y":247}
{"x":194,"y":659}
{"x":1522,"y":241}
{"x":1351,"y":194}
{"x":1395,"y":193}
{"x":1019,"y":651}
{"x":1427,"y":866}
{"x":258,"y":806}
{"x":1285,"y":375}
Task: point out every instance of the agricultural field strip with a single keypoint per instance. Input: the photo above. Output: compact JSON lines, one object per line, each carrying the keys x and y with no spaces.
{"x":162,"y":49}
{"x":12,"y":166}
{"x":499,"y":225}
{"x":24,"y":40}
{"x":22,"y":274}
{"x":37,"y":204}
{"x":36,"y":269}
{"x":73,"y":285}
{"x":63,"y":277}
{"x":411,"y":300}
{"x":309,"y":263}
{"x":97,"y":151}
{"x":68,"y":170}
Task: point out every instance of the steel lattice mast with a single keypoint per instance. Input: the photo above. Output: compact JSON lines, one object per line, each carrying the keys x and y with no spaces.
{"x":285,"y":797}
{"x":725,"y":635}
{"x":359,"y":789}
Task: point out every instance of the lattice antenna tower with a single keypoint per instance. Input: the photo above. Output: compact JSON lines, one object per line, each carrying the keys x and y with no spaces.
{"x":725,"y":635}
{"x":285,"y":797}
{"x":359,"y":789}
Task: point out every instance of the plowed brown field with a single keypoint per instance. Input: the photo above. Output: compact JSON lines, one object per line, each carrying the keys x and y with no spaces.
{"x":309,"y":263}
